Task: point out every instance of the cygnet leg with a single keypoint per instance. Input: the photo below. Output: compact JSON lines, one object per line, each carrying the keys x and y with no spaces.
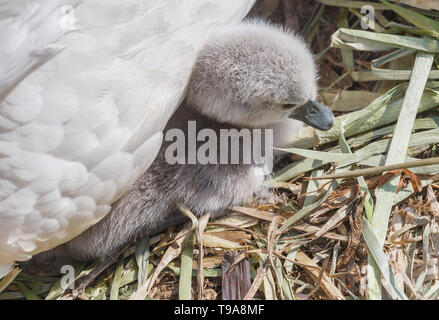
{"x":82,"y":283}
{"x":103,"y":263}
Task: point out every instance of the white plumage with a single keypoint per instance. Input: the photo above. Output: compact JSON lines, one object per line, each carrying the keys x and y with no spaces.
{"x":86,"y":87}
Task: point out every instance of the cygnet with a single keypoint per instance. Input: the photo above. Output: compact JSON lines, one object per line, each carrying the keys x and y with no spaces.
{"x":248,"y":76}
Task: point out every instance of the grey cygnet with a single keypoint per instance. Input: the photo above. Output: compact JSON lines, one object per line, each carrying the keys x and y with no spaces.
{"x":251,"y":75}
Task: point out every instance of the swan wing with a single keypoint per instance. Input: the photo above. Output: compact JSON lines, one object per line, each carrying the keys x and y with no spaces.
{"x":86,"y":88}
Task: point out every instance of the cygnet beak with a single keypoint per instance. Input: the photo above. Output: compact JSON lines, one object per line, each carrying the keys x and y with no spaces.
{"x":314,"y":114}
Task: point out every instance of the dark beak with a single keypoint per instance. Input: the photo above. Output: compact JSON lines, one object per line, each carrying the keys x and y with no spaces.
{"x":315,"y":114}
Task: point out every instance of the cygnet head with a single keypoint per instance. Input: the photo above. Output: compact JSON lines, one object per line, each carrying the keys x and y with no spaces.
{"x":254,"y":74}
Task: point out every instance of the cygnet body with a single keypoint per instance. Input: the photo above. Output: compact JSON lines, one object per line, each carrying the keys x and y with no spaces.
{"x":252,"y":75}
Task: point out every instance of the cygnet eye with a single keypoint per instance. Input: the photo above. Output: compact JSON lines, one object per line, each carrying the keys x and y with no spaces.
{"x":289,"y":106}
{"x":313,"y":111}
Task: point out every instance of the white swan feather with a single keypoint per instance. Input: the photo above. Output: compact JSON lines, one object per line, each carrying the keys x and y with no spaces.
{"x":86,"y":87}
